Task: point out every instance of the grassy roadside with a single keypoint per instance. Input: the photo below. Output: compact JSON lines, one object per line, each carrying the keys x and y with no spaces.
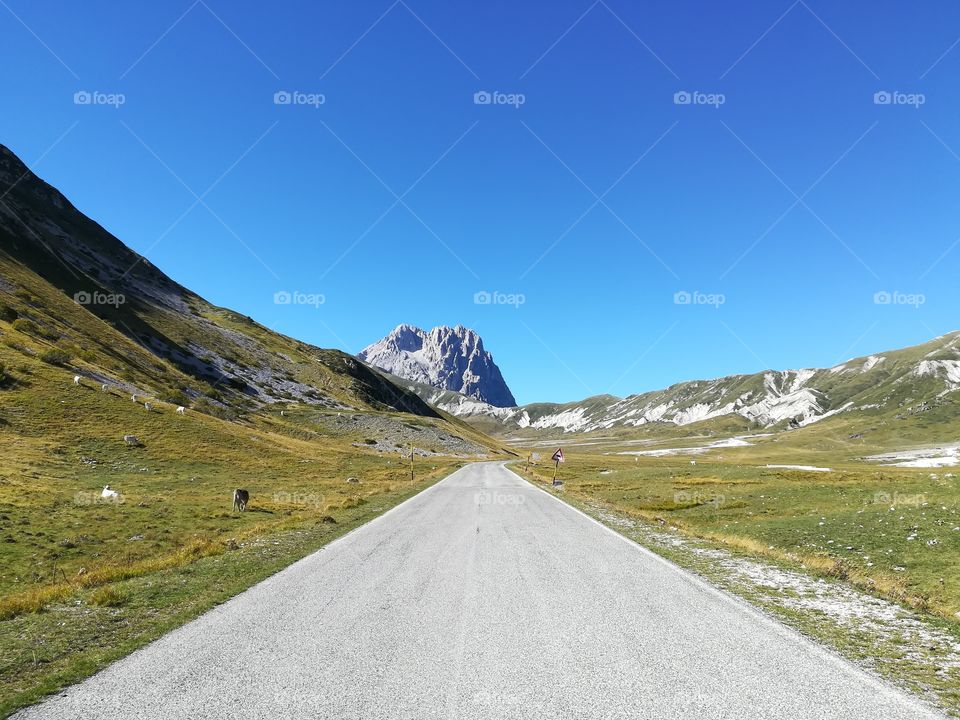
{"x":915,"y":649}
{"x":893,"y":532}
{"x":83,"y":632}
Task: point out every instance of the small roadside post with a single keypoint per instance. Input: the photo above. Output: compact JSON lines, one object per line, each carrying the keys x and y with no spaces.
{"x":411,"y":464}
{"x":557,"y":458}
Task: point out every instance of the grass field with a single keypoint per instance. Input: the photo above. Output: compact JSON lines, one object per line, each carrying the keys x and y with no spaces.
{"x":916,"y":648}
{"x":892,"y":531}
{"x":90,"y":627}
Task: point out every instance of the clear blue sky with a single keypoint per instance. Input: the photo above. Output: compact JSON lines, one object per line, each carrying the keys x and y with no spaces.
{"x":506,"y":198}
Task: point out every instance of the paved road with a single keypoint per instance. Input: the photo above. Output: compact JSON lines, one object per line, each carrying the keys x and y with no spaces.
{"x":482,"y":597}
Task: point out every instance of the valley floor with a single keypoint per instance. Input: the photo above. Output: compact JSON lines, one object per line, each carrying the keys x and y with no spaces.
{"x":483,"y":597}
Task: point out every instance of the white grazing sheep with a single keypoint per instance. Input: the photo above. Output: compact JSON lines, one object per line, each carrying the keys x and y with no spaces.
{"x":134,"y":398}
{"x":77,"y":379}
{"x":281,"y":413}
{"x":181,"y":410}
{"x":131,"y":440}
{"x":104,"y":388}
{"x":147,"y":406}
{"x":108,"y":493}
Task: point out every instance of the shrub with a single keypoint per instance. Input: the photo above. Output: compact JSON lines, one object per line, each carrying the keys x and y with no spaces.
{"x":8,"y":313}
{"x":27,"y":327}
{"x":14,"y":345}
{"x":237,"y":383}
{"x":224,"y":412}
{"x":175,"y":397}
{"x":55,"y":356}
{"x":107,"y":596}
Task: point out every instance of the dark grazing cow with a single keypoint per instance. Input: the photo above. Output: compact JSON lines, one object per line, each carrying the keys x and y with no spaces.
{"x":240,"y":499}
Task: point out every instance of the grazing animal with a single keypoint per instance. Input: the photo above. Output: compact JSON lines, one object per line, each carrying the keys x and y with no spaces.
{"x":108,"y":492}
{"x":131,"y":440}
{"x":148,"y":407}
{"x":281,"y":413}
{"x":77,"y":379}
{"x":134,"y":398}
{"x":181,"y":410}
{"x":240,"y":499}
{"x":104,"y":388}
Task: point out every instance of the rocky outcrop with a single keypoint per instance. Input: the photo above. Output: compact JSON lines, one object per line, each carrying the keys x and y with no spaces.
{"x":445,"y":358}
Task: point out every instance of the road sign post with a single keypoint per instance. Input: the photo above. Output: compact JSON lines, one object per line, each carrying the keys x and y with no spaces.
{"x":557,"y":458}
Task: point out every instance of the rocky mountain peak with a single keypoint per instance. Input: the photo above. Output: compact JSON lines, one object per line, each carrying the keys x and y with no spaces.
{"x":445,"y":358}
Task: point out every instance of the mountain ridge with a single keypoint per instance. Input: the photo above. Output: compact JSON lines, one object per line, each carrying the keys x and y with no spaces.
{"x":900,"y":383}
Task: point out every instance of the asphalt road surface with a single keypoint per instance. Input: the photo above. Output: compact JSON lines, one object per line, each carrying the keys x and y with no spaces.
{"x":482,"y":597}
